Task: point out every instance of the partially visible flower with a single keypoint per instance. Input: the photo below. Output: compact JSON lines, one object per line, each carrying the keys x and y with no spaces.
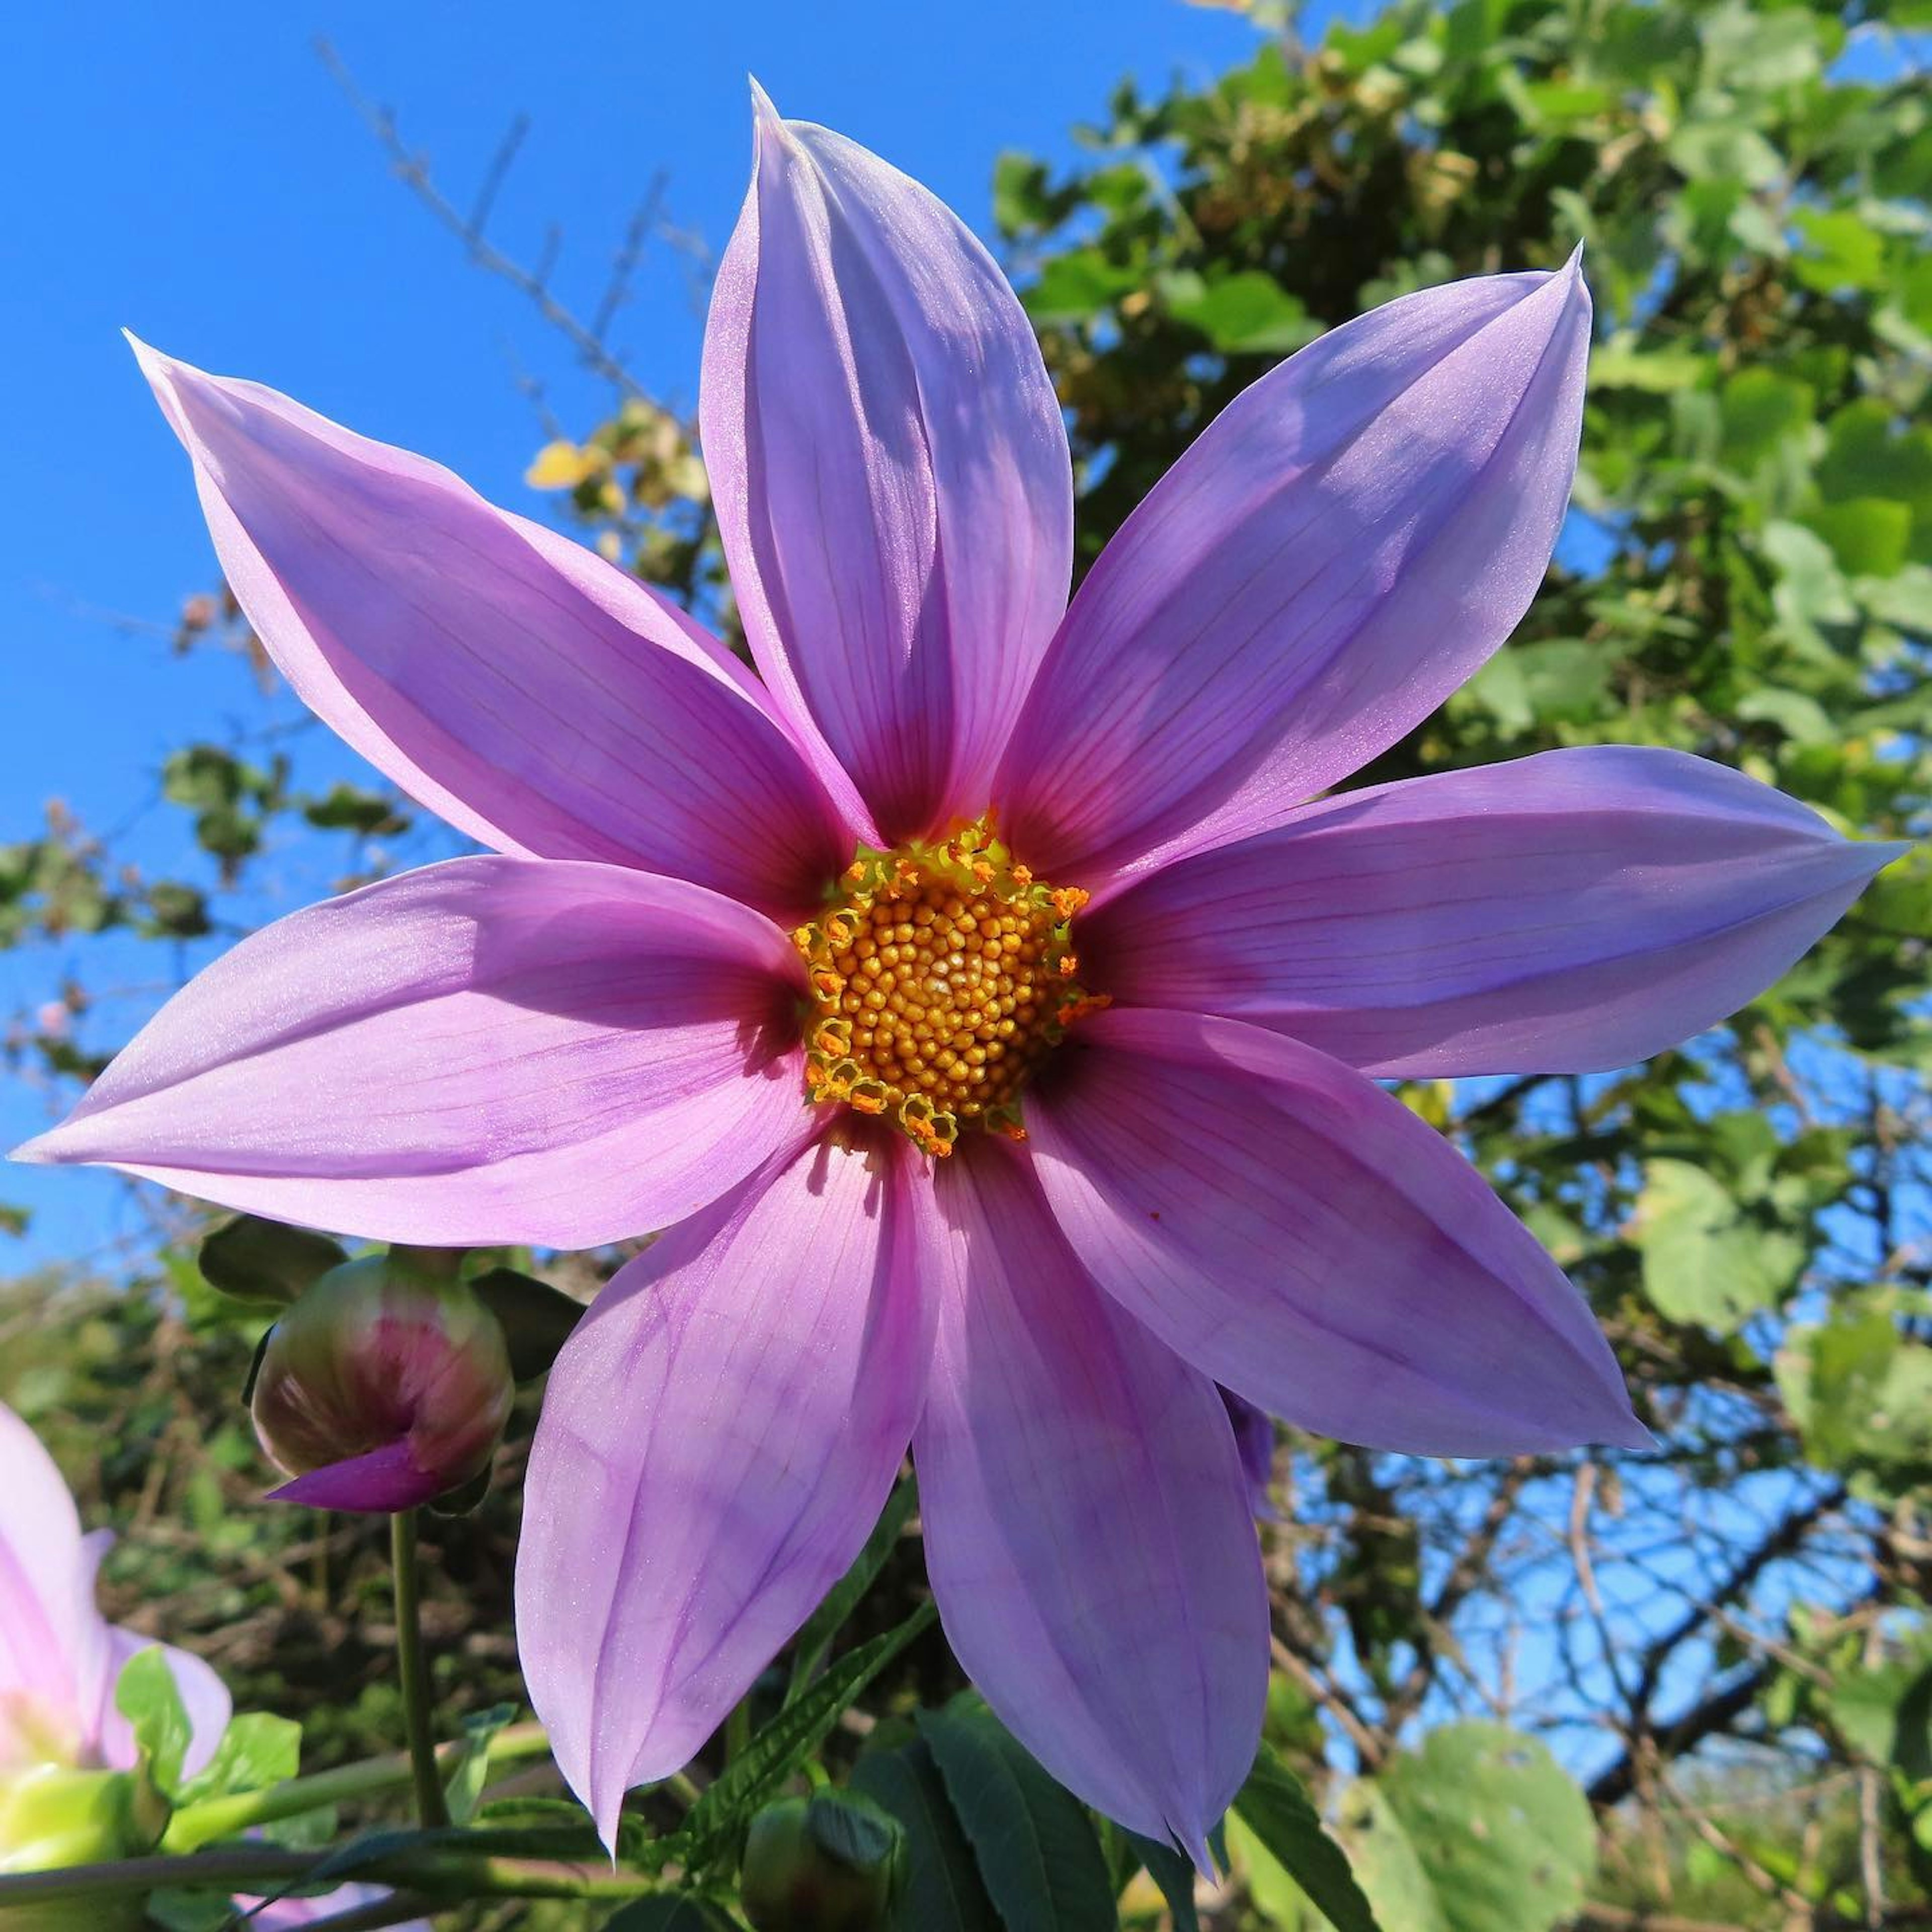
{"x":64,"y":1747}
{"x":383,"y":1386}
{"x":60,"y":1659}
{"x":288,"y":1912}
{"x":808,"y":970}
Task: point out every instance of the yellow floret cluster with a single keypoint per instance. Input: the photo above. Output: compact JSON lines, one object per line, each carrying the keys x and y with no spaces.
{"x":940,"y":972}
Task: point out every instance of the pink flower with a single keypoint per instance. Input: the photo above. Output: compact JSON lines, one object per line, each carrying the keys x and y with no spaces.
{"x":60,"y":1659}
{"x":287,"y":1913}
{"x":766,"y":961}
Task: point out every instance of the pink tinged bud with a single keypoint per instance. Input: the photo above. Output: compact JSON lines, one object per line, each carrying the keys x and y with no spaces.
{"x":382,"y":1388}
{"x":832,"y":1862}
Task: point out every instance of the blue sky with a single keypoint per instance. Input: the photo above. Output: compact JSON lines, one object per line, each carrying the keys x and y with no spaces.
{"x":194,"y":174}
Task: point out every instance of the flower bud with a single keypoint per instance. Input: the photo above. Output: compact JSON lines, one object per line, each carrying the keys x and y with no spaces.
{"x":384,"y":1386}
{"x":52,"y":1816}
{"x":832,"y":1862}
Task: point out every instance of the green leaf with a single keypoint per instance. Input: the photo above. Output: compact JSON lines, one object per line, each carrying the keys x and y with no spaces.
{"x":536,"y":1318}
{"x":1034,"y":1844}
{"x":1870,"y":536}
{"x":256,"y":1750}
{"x":1503,"y":1831}
{"x":1842,"y":252}
{"x":944,"y":1891}
{"x":1247,"y":312}
{"x":670,"y":1915}
{"x":815,"y":1640}
{"x":147,"y":1696}
{"x":1274,"y":1805}
{"x":1175,"y":1875}
{"x":1859,"y":1386}
{"x":463,"y":1788}
{"x":1704,"y":1261}
{"x":784,"y":1744}
{"x":1386,"y":1863}
{"x":268,"y":1263}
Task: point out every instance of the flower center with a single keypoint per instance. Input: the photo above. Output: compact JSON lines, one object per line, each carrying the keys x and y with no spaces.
{"x":941,"y":974}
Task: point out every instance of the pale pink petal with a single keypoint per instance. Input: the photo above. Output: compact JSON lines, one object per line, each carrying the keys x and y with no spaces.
{"x":542,"y":701}
{"x":1298,"y":1234}
{"x":48,"y":1622}
{"x":890,"y":470}
{"x":1564,"y":914}
{"x":204,"y":1697}
{"x":1086,"y":1519}
{"x":491,"y":1050}
{"x":1349,"y":540}
{"x":718,"y":1438}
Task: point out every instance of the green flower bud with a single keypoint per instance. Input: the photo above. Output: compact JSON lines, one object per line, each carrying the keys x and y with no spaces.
{"x":52,"y":1816}
{"x":832,"y":1862}
{"x":386,"y":1384}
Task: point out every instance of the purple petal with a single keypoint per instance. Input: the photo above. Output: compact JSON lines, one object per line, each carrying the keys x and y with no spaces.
{"x":1350,"y":539}
{"x":718,"y":1437}
{"x":1565,"y":913}
{"x":491,"y":1050}
{"x":891,"y":472}
{"x":49,"y":1625}
{"x":539,"y":699}
{"x":1298,"y":1234}
{"x":1254,"y":1442}
{"x":1087,"y":1526}
{"x":286,"y":1913}
{"x":379,"y":1483}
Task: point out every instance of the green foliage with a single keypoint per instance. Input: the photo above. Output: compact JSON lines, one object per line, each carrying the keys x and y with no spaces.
{"x":1748,"y":576}
{"x":1274,"y":1805}
{"x":1037,"y":1852}
{"x":146,"y":1695}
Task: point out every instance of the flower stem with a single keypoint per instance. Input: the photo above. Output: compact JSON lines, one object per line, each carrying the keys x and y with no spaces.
{"x":195,"y":1825}
{"x":431,"y":1810}
{"x":446,"y":1869}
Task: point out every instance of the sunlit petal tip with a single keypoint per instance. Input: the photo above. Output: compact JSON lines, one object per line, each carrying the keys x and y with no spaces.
{"x":1308,"y":559}
{"x":673,"y":1541}
{"x":541,"y":699}
{"x":766,"y":118}
{"x":890,"y":469}
{"x":1216,"y":1179}
{"x":1569,"y":913}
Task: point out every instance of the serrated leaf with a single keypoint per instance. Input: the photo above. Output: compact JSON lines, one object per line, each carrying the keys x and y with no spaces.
{"x":1035,"y":1845}
{"x":1275,"y":1806}
{"x":784,"y":1744}
{"x":670,"y":1915}
{"x":822,"y":1628}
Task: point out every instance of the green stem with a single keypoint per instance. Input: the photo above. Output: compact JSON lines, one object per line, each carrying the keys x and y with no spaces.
{"x":431,"y":1810}
{"x":195,"y":1825}
{"x":446,"y":1870}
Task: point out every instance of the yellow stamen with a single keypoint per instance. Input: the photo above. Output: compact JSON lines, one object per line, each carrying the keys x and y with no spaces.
{"x":941,"y":974}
